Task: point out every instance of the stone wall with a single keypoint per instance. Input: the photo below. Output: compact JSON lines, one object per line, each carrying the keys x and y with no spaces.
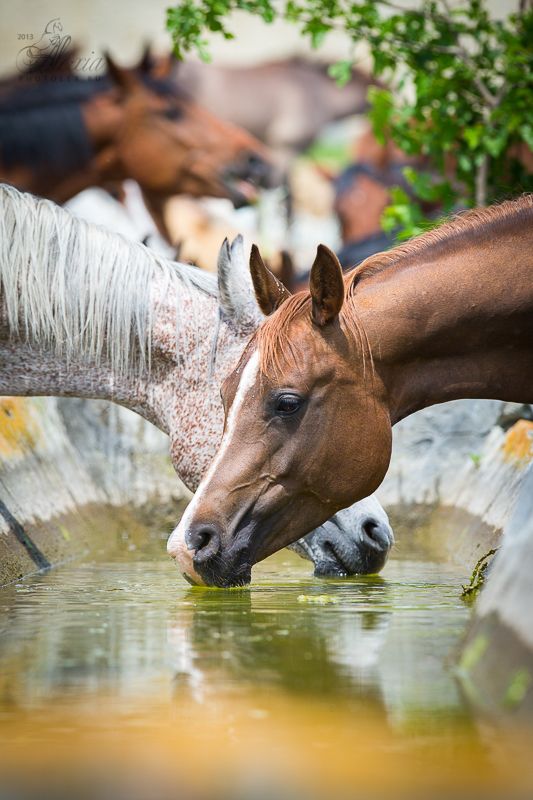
{"x":465,"y":470}
{"x":496,"y":666}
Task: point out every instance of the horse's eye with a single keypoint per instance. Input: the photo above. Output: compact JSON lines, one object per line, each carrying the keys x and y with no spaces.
{"x":288,"y":404}
{"x":172,"y":113}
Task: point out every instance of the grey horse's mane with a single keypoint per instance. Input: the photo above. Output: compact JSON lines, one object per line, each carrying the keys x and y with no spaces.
{"x":79,"y":289}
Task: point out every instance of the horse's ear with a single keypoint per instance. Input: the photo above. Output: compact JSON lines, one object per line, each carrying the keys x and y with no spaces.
{"x":235,"y":290}
{"x":146,"y":64}
{"x":326,"y":286}
{"x":270,"y":292}
{"x":125,"y":79}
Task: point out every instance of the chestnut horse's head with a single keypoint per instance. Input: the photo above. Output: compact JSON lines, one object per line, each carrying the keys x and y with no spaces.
{"x":307,"y":429}
{"x":171,"y":145}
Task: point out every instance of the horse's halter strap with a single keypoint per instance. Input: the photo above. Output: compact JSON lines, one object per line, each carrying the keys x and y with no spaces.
{"x":392,"y":176}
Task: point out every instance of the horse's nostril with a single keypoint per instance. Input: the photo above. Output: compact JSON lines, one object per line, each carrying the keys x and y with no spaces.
{"x":369,"y":527}
{"x":257,"y":166}
{"x":377,"y":533}
{"x":196,"y":538}
{"x":204,"y":540}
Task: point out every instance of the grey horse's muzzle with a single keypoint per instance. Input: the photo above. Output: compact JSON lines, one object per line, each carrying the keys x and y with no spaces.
{"x":356,"y":541}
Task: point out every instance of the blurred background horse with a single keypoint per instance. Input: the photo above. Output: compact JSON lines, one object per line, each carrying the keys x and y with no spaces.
{"x":63,"y":134}
{"x":160,"y":138}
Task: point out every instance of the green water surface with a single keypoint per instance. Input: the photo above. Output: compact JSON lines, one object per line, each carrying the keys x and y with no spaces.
{"x":131,"y":628}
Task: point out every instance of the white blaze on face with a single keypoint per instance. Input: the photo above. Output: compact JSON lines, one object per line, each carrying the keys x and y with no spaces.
{"x":176,"y":545}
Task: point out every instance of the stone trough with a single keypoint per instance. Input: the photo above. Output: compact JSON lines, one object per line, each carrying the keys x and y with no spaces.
{"x":77,"y":475}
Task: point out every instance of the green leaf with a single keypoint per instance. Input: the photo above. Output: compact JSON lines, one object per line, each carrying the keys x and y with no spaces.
{"x":381,"y":108}
{"x":473,"y":136}
{"x":341,"y":72}
{"x":494,"y":143}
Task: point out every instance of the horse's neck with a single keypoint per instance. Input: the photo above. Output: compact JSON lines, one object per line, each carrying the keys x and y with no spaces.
{"x":56,"y":184}
{"x":102,"y":120}
{"x":454,"y":325}
{"x":30,"y":372}
{"x":158,"y":396}
{"x":61,"y":188}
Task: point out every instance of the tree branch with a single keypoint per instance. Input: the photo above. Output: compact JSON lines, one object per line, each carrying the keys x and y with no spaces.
{"x":482,"y":175}
{"x":491,"y":99}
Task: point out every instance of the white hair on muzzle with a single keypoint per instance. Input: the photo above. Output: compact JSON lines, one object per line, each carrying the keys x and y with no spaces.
{"x":79,"y":289}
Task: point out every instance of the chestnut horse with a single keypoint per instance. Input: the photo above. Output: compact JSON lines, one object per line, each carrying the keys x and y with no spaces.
{"x":310,"y":406}
{"x":58,"y":137}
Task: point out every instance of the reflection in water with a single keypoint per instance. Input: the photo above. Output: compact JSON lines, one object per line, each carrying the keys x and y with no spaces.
{"x":253,"y":639}
{"x":130,"y":626}
{"x":127,"y":645}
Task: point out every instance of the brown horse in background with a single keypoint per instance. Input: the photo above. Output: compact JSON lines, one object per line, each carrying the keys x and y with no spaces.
{"x":58,"y":137}
{"x":309,"y":408}
{"x":362,"y":193}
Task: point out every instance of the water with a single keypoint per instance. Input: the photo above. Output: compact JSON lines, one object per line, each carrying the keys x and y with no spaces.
{"x":118,"y":665}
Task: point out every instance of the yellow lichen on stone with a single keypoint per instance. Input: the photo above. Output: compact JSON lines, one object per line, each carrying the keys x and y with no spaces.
{"x":518,"y":444}
{"x":19,"y":428}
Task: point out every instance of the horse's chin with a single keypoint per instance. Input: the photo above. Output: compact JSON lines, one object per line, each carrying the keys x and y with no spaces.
{"x":335,"y":567}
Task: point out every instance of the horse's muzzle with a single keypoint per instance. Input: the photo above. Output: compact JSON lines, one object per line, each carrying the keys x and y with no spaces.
{"x":211,"y":565}
{"x":361,"y":551}
{"x":246,"y":176}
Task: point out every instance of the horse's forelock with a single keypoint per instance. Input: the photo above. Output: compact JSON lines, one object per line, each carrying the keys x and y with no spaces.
{"x":275,"y":338}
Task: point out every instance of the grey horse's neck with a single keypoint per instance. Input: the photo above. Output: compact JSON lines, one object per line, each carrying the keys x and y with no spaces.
{"x":154,"y":392}
{"x":86,"y":313}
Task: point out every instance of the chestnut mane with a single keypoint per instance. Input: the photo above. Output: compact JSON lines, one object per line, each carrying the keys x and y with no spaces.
{"x":476,"y":221}
{"x":273,"y":336}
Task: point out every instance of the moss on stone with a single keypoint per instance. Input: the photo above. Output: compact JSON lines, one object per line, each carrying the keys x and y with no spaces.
{"x":479,"y":574}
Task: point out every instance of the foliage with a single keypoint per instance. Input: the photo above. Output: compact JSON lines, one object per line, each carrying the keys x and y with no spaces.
{"x":461,"y":85}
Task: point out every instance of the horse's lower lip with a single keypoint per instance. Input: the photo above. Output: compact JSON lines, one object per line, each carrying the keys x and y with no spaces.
{"x":333,"y":565}
{"x":330,"y":572}
{"x":240,"y":576}
{"x":190,"y":580}
{"x":330,"y":568}
{"x":241,"y":192}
